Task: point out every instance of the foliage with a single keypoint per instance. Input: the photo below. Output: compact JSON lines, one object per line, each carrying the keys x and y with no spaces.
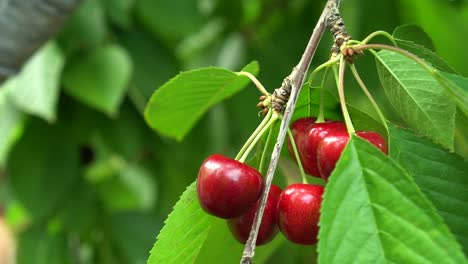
{"x":82,"y":171}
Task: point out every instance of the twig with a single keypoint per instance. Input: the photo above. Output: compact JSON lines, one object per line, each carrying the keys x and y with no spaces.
{"x":295,"y":81}
{"x":337,"y":27}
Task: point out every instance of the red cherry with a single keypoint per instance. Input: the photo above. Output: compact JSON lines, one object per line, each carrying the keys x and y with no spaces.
{"x":240,"y":226}
{"x":317,"y":132}
{"x":300,"y":129}
{"x":299,"y":212}
{"x":226,"y":188}
{"x":375,"y":139}
{"x":330,"y":148}
{"x":308,"y":135}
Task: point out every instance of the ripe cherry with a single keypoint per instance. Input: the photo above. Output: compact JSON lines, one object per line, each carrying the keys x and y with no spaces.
{"x":308,"y":135}
{"x":226,"y":188}
{"x":299,"y":212}
{"x":330,"y":148}
{"x":300,"y":129}
{"x":240,"y":226}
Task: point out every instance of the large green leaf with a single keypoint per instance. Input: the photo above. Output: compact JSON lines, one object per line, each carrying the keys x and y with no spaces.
{"x":457,"y":87}
{"x":11,"y":124}
{"x":35,"y":90}
{"x":365,"y":121}
{"x":415,"y":34}
{"x":119,"y":11}
{"x":221,"y":244}
{"x":417,"y":96}
{"x":413,"y":39}
{"x":177,"y":105}
{"x":439,"y":174}
{"x":130,"y":187}
{"x":192,"y":236}
{"x":42,"y":244}
{"x":309,"y":101}
{"x":147,"y":54}
{"x":445,"y":22}
{"x":184,"y":233}
{"x":43,"y":167}
{"x":86,"y":28}
{"x":171,"y":20}
{"x":373,"y":212}
{"x":99,"y":79}
{"x":461,"y":130}
{"x":137,"y":227}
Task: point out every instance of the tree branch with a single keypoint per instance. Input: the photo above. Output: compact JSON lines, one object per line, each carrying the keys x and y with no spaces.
{"x":293,"y":83}
{"x":25,"y":26}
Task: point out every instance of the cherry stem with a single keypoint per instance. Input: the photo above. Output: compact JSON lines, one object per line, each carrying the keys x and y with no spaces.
{"x":254,"y":134}
{"x":369,"y":96}
{"x":272,"y":120}
{"x":255,"y":81}
{"x":373,"y":35}
{"x":325,"y":65}
{"x":344,"y":109}
{"x":265,"y":149}
{"x":322,"y":66}
{"x":298,"y":159}
{"x":321,"y":115}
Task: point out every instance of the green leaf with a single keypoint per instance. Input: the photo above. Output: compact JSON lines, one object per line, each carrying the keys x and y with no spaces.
{"x":119,"y":11}
{"x":184,"y":232}
{"x":373,"y":212}
{"x":415,"y":34}
{"x":158,"y":16}
{"x":11,"y":125}
{"x":137,"y":227}
{"x":418,"y":97}
{"x":221,"y":244}
{"x":177,"y":105}
{"x":80,"y":211}
{"x":413,"y":39}
{"x":99,"y":79}
{"x":457,"y":87}
{"x":192,"y":236}
{"x":363,"y":120}
{"x":86,"y":29}
{"x":439,"y":174}
{"x":129,"y":188}
{"x":461,"y":130}
{"x":309,"y":101}
{"x":35,"y":90}
{"x":53,"y":247}
{"x":147,"y":54}
{"x":43,"y":166}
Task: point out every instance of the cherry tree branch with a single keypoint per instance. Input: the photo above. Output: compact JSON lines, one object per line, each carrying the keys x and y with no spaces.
{"x":292,"y":83}
{"x":25,"y":26}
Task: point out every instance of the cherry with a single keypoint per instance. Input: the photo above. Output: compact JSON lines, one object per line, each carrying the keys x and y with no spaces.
{"x":307,"y":136}
{"x":330,"y":148}
{"x":226,"y":188}
{"x":299,"y":212}
{"x":299,"y":129}
{"x":240,"y":226}
{"x":317,"y":132}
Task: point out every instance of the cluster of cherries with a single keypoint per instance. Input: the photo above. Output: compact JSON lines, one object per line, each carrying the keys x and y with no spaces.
{"x":320,"y":144}
{"x":231,"y":190}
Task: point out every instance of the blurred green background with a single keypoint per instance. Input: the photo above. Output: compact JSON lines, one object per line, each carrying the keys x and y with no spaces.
{"x":82,"y":177}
